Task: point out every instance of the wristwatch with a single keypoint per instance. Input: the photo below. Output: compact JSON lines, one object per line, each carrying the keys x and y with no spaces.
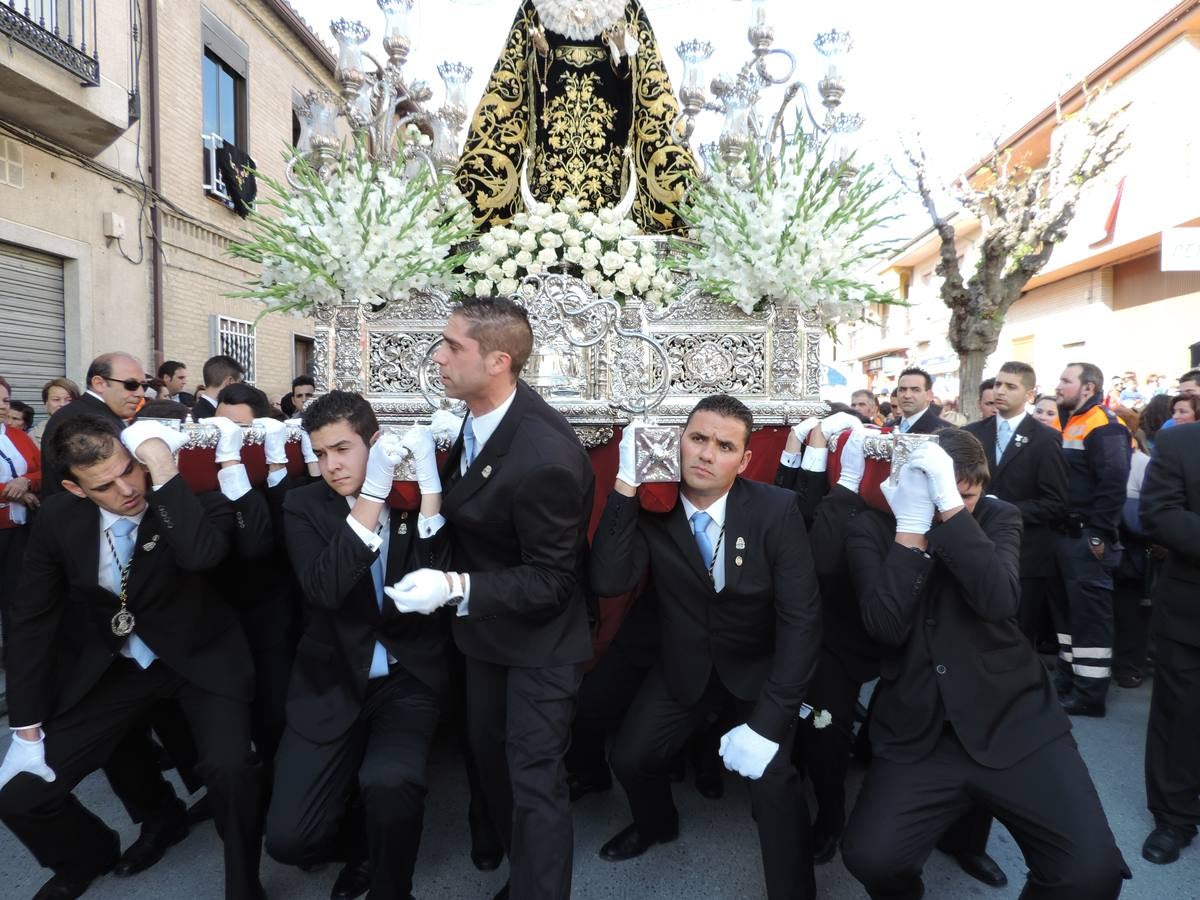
{"x":1096,"y":542}
{"x":457,"y":590}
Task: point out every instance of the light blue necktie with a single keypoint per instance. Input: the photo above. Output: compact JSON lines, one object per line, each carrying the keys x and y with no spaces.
{"x":469,"y":442}
{"x":904,"y":426}
{"x":379,"y":659}
{"x":1003,"y":435}
{"x":700,"y":523}
{"x":124,"y":537}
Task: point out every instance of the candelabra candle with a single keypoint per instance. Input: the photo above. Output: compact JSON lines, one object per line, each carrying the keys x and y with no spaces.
{"x":323,"y":114}
{"x":350,"y":37}
{"x":737,"y":132}
{"x":397,"y":41}
{"x":455,"y":76}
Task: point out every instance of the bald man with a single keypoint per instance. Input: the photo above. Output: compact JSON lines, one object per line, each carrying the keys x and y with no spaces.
{"x":115,"y":386}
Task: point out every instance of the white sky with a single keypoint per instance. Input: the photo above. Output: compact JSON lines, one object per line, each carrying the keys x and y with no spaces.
{"x":959,"y":71}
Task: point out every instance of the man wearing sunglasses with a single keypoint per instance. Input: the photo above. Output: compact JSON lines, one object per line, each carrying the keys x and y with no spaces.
{"x":115,"y":386}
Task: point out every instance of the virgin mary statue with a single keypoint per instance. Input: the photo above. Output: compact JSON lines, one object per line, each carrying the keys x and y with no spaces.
{"x":579,"y":105}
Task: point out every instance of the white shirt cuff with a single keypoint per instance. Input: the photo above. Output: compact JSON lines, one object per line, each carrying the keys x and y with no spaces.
{"x":366,"y":535}
{"x":273,"y":478}
{"x":464,"y":605}
{"x":815,"y":459}
{"x":235,"y":483}
{"x":789,"y":460}
{"x":428,"y":527}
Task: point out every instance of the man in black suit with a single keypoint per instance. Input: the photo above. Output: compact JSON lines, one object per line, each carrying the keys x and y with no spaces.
{"x":366,"y":684}
{"x":519,"y":490}
{"x":173,"y":375}
{"x":1170,"y":511}
{"x":1026,"y":466}
{"x":115,"y":386}
{"x":219,"y":372}
{"x":914,"y":394}
{"x":740,"y":622}
{"x":966,"y":713}
{"x":116,"y":611}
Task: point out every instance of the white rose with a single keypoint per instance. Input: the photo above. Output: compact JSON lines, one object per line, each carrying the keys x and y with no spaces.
{"x":569,"y":205}
{"x":589,"y":260}
{"x":574,"y":255}
{"x":628,"y":249}
{"x":606,"y":289}
{"x":628,"y":228}
{"x":592,"y":245}
{"x":551,"y":240}
{"x":542,"y":209}
{"x":495,"y":273}
{"x":509,"y":268}
{"x":588,"y":220}
{"x":607,"y":232}
{"x":643,"y":284}
{"x":524,"y":258}
{"x":559,"y":221}
{"x":623,"y":282}
{"x":591,"y":277}
{"x":548,"y":257}
{"x":507,"y":287}
{"x":528,"y":241}
{"x":483,"y":288}
{"x":520,"y":221}
{"x":535,"y":268}
{"x":608,"y":215}
{"x":633,"y":270}
{"x":572,"y":237}
{"x":536,"y":223}
{"x":612,"y":262}
{"x":654,"y":297}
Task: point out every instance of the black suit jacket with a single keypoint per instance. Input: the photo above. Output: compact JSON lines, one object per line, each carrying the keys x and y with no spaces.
{"x":959,"y":655}
{"x":520,"y":519}
{"x":203,"y":408}
{"x":86,"y":405}
{"x":761,"y":633}
{"x":60,"y":636}
{"x":1170,"y":513}
{"x":1032,"y":476}
{"x":929,"y":423}
{"x":184,"y":397}
{"x":333,"y":656}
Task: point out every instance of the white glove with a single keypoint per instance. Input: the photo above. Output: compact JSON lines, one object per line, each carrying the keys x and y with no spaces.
{"x":839,"y":422}
{"x":422,"y":591}
{"x":853,"y":461}
{"x":626,"y":467}
{"x":306,"y":450}
{"x":418,"y":441}
{"x":274,"y":441}
{"x":25,"y":756}
{"x":229,"y":444}
{"x":139,"y":432}
{"x":802,"y":430}
{"x":910,"y":501}
{"x":747,"y":752}
{"x":938,"y":468}
{"x":386,"y":453}
{"x":445,"y":426}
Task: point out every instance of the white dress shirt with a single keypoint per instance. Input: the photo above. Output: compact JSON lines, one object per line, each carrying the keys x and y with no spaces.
{"x":483,"y":427}
{"x":1013,"y":424}
{"x":134,"y":647}
{"x":717,"y":512}
{"x":907,"y":422}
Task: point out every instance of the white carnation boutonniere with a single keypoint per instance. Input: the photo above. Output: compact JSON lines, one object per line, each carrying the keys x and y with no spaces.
{"x":822,"y":719}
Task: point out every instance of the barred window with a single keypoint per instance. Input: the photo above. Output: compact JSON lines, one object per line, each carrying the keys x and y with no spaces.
{"x":235,"y":337}
{"x":12,"y":166}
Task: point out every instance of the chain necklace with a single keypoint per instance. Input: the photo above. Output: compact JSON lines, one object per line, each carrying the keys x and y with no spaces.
{"x":123,"y":622}
{"x":712,"y":563}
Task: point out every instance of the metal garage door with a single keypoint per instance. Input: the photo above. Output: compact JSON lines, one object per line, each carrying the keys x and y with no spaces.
{"x":32,"y":323}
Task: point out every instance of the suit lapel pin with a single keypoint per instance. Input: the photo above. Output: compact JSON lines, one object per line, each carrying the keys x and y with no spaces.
{"x":403,"y":529}
{"x":740,"y":545}
{"x":487,"y":472}
{"x":737,"y":560}
{"x":150,"y":544}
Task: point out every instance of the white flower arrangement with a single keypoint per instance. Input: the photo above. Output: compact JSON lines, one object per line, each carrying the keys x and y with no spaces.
{"x":598,"y":247}
{"x":788,"y":228}
{"x":368,"y":232}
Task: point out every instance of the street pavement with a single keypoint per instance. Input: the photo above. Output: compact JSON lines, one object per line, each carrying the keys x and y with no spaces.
{"x":715,"y":858}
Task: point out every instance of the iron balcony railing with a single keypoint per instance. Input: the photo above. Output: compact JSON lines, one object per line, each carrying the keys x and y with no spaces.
{"x":63,"y":31}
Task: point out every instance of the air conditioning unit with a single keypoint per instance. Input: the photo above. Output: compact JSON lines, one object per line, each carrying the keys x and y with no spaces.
{"x":214,"y":184}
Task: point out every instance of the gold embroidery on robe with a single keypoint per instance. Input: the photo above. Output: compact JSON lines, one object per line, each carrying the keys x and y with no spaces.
{"x":569,"y":157}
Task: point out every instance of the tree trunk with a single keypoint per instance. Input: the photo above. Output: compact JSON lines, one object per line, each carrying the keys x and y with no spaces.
{"x":970,"y":374}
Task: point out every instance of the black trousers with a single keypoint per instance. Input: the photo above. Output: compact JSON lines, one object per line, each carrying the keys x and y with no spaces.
{"x":1131,"y":624}
{"x":12,"y":555}
{"x":1083,"y":617}
{"x":313,"y":817}
{"x":65,"y":837}
{"x":1173,"y":736}
{"x":519,"y":725}
{"x":1037,"y":595}
{"x":657,"y":727}
{"x":1047,"y":801}
{"x":824,"y":754}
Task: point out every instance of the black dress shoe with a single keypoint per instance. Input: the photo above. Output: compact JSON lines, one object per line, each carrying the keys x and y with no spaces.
{"x":486,"y":851}
{"x":629,"y":843}
{"x":353,"y":881}
{"x":710,"y":784}
{"x":150,"y":847}
{"x":825,"y":847}
{"x":580,"y":784}
{"x":1075,"y":706}
{"x":200,"y":811}
{"x":1164,"y":843}
{"x":68,"y":887}
{"x":982,"y":867}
